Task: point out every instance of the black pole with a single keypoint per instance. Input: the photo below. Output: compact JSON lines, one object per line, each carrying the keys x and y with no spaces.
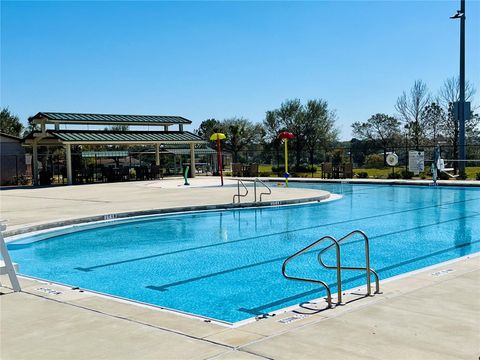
{"x":460,"y":108}
{"x":461,"y":125}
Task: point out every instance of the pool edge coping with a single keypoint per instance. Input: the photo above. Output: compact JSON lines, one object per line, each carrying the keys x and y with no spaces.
{"x":182,"y":209}
{"x":245,"y":322}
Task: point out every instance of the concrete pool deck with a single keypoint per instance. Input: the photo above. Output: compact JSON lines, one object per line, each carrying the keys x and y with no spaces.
{"x":433,"y":313}
{"x":27,"y":209}
{"x":426,"y":315}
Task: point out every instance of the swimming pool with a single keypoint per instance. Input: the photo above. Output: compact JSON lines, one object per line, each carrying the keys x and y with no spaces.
{"x":226,"y":265}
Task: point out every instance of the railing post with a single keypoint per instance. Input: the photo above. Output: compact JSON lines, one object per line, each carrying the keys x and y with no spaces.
{"x":367,"y":265}
{"x":339,"y":274}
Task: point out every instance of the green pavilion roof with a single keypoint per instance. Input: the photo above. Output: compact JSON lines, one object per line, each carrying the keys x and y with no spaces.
{"x":139,"y":137}
{"x":108,"y":119}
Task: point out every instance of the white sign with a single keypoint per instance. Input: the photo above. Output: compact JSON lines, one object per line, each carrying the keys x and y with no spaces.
{"x":392,"y":159}
{"x":416,"y":161}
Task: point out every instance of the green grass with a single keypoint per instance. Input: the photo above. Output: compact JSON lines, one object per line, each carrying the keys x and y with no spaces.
{"x":372,"y":173}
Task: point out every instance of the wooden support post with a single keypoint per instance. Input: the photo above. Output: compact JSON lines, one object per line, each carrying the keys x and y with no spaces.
{"x":192,"y":160}
{"x":35,"y":163}
{"x":68,"y":156}
{"x":157,"y":154}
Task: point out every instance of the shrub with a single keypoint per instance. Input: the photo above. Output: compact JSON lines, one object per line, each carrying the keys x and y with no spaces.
{"x":133,"y":173}
{"x":477,"y":176}
{"x":374,"y":161}
{"x":443,"y":176}
{"x":394,"y":175}
{"x":362,"y":175}
{"x":407,"y":175}
{"x":305,"y":168}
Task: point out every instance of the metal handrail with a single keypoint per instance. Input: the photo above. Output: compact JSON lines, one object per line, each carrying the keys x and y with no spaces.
{"x":238,"y":191}
{"x":339,"y":279}
{"x":367,"y":268}
{"x":262,"y":193}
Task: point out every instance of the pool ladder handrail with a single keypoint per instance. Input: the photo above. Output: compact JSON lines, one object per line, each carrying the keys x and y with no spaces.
{"x":238,"y":191}
{"x":324,"y":284}
{"x":262,"y":193}
{"x":338,"y":267}
{"x":367,"y":267}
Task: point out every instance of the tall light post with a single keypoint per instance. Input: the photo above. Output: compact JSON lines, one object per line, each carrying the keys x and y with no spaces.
{"x":461,"y":103}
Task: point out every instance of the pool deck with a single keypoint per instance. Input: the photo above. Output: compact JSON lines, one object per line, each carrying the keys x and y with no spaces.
{"x":430,"y":314}
{"x":28,"y":209}
{"x":433,"y":313}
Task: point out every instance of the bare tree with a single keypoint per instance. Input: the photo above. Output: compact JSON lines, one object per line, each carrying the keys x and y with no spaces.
{"x":410,"y":108}
{"x":450,"y":91}
{"x":448,"y":94}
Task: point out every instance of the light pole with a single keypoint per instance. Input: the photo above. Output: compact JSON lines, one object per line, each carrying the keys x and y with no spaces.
{"x":461,"y":103}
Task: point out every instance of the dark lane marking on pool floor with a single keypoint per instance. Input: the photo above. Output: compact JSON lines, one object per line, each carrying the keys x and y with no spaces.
{"x":91,"y":268}
{"x":243,"y":267}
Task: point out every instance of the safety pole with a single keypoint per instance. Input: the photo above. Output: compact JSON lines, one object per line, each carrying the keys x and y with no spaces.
{"x":219,"y":159}
{"x":286,"y":162}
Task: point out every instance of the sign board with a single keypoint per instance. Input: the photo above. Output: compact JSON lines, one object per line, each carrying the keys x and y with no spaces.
{"x":416,"y":161}
{"x":392,"y":159}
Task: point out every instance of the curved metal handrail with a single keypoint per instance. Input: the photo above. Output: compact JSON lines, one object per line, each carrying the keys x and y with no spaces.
{"x":238,"y":191}
{"x":367,"y":261}
{"x":262,"y":193}
{"x":305,"y":249}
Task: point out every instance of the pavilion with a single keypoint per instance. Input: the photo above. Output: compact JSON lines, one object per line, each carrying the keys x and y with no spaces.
{"x":88,"y":131}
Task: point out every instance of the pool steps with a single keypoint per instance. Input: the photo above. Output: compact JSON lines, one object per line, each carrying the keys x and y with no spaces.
{"x":338,"y":267}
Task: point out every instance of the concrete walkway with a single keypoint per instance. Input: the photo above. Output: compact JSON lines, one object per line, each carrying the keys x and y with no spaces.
{"x":29,"y":207}
{"x":432,"y":314}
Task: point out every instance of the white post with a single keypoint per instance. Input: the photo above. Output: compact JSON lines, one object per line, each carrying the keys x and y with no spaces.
{"x":192,"y":160}
{"x":35,"y":163}
{"x":8,"y":261}
{"x":68,"y":156}
{"x":157,"y":154}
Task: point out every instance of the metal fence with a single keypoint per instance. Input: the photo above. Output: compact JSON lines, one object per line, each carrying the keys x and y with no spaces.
{"x":14,"y":169}
{"x":357,"y":160}
{"x":364,"y":160}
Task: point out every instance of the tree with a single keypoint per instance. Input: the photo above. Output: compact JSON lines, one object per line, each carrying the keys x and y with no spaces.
{"x":292,"y":116}
{"x":433,"y":117}
{"x":381,"y":129}
{"x":117,"y":128}
{"x":312,"y":124}
{"x":272,"y":127}
{"x":241,"y":134}
{"x":448,"y":94}
{"x":207,"y":128}
{"x":320,"y":131}
{"x":410,"y":108}
{"x":10,"y":124}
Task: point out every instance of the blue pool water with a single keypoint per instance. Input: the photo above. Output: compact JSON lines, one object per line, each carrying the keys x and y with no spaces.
{"x":226,"y":265}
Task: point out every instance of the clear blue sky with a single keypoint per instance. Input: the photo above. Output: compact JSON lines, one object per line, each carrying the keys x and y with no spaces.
{"x":222,"y":59}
